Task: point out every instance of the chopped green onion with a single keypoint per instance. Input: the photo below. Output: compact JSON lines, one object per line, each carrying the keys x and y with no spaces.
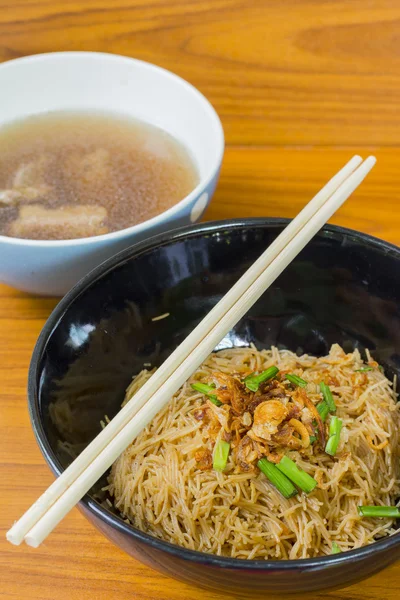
{"x":335,"y":428}
{"x":205,"y":389}
{"x":379,"y":511}
{"x":278,"y":479}
{"x":221,"y":453}
{"x":313,"y":439}
{"x":382,"y":370}
{"x":296,"y":380}
{"x":323,"y":410}
{"x":364,"y":369}
{"x":299,"y":477}
{"x":252,"y":382}
{"x":335,"y":548}
{"x":327,"y":394}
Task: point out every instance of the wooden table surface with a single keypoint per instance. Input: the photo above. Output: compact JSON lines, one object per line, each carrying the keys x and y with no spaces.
{"x":300,"y":86}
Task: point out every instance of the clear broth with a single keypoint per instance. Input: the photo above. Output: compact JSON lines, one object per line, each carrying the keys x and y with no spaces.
{"x":65,"y":175}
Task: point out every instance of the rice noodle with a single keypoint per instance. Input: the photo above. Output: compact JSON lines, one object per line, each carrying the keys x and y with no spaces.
{"x":157,"y":485}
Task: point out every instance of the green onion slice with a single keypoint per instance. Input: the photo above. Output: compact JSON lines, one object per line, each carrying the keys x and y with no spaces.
{"x":313,"y":439}
{"x":221,"y":453}
{"x":299,"y":477}
{"x":205,"y":389}
{"x":252,"y":382}
{"x":323,"y":410}
{"x":335,"y":548}
{"x":296,"y":380}
{"x":278,"y":479}
{"x":327,"y":394}
{"x":363,"y":370}
{"x":379,"y":511}
{"x":335,"y":428}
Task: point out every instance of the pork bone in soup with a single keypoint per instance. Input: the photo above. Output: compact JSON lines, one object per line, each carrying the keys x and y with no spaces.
{"x":67,"y":175}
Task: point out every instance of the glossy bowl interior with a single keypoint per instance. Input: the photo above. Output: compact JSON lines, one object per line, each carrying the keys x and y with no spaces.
{"x":343,"y":288}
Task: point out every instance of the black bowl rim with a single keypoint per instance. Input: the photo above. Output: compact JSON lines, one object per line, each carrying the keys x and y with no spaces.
{"x":116,"y":522}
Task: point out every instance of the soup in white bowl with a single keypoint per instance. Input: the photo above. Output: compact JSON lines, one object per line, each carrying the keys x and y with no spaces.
{"x":66,"y":174}
{"x":105,"y":83}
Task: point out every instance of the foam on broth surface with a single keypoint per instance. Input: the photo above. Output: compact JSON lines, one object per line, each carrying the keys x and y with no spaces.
{"x":85,"y":173}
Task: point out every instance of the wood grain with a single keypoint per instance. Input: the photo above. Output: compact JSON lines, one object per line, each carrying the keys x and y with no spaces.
{"x":300,"y":87}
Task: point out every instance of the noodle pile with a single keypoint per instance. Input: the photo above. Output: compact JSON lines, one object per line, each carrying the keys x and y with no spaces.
{"x":158,"y":487}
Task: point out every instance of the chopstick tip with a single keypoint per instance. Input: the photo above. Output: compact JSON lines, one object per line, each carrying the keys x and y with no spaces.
{"x":31,"y":541}
{"x":12,"y":538}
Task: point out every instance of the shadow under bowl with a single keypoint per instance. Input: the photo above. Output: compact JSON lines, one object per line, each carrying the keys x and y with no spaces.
{"x":343,"y":287}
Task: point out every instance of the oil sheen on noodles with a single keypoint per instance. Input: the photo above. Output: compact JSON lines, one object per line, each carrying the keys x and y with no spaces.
{"x":161,"y":485}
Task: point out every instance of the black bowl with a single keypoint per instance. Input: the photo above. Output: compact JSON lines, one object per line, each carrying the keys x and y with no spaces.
{"x":343,"y":287}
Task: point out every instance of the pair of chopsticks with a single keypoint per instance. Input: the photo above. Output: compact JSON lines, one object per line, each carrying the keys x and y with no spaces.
{"x":41,"y":518}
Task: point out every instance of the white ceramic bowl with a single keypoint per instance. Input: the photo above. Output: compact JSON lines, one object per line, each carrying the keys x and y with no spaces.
{"x":108,"y":82}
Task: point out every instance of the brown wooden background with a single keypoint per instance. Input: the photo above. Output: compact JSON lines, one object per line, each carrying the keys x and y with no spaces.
{"x":300,"y":86}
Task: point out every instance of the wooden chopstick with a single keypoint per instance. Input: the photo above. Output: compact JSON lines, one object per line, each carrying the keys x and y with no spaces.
{"x":42,"y":517}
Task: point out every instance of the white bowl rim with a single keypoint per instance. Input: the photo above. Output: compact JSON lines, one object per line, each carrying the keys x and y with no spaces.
{"x":158,"y":219}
